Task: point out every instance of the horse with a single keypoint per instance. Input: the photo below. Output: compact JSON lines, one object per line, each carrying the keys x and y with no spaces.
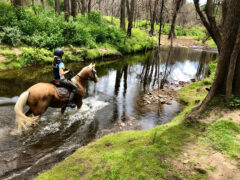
{"x":43,"y":95}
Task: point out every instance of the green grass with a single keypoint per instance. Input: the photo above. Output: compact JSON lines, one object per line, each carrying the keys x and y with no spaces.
{"x":223,"y":136}
{"x":134,"y":154}
{"x":148,"y":154}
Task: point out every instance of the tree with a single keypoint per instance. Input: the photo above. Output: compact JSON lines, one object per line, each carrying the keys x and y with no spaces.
{"x":122,"y":17}
{"x":179,"y":4}
{"x":17,"y":3}
{"x":160,"y":23}
{"x":74,"y":8}
{"x":153,"y":16}
{"x":57,"y":7}
{"x":226,"y":36}
{"x":130,"y":13}
{"x":66,"y":9}
{"x":83,"y":9}
{"x":89,"y":5}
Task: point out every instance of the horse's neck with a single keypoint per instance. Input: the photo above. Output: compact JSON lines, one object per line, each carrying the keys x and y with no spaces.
{"x":82,"y":77}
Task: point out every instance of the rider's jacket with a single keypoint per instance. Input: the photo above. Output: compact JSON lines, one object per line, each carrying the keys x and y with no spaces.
{"x":59,"y":64}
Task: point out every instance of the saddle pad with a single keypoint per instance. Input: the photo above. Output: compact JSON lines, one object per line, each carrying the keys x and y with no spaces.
{"x":62,"y":92}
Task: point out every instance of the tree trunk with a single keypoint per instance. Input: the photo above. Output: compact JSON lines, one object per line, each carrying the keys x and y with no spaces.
{"x":17,"y":3}
{"x":153,"y":17}
{"x":130,"y":18}
{"x":226,"y":76}
{"x":83,"y":9}
{"x":74,"y":8}
{"x":160,"y":25}
{"x":57,"y":7}
{"x":66,"y":9}
{"x":122,"y":17}
{"x":89,"y":5}
{"x":171,"y":32}
{"x":42,"y":1}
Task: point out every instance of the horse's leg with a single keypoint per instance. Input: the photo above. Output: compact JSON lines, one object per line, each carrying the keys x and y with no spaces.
{"x":79,"y":104}
{"x":29,"y":112}
{"x":31,"y":121}
{"x":21,"y":124}
{"x":63,"y":109}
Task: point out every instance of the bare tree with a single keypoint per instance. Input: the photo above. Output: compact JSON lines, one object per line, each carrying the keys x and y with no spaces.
{"x":74,"y":8}
{"x":227,"y":76}
{"x":89,"y":5}
{"x":83,"y":7}
{"x":17,"y":3}
{"x":66,"y":9}
{"x":153,"y":16}
{"x":122,"y":17}
{"x":130,"y":11}
{"x":179,"y":4}
{"x":160,"y":25}
{"x":57,"y":7}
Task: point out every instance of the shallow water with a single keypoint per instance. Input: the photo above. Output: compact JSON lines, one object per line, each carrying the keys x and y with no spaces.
{"x":109,"y":102}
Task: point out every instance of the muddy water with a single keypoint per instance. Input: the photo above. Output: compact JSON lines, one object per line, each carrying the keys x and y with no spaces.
{"x":111,"y":101}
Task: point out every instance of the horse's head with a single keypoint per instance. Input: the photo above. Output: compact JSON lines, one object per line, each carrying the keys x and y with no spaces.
{"x":88,"y":73}
{"x":92,"y":73}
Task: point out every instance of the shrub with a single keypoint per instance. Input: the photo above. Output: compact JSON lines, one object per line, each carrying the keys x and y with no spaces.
{"x":34,"y":56}
{"x":10,"y":35}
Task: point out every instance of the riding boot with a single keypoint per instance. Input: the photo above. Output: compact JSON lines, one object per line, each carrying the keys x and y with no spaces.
{"x":70,"y":101}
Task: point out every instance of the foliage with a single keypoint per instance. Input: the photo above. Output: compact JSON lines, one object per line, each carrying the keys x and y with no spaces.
{"x":49,"y":31}
{"x":10,"y":35}
{"x":34,"y":56}
{"x":234,"y":101}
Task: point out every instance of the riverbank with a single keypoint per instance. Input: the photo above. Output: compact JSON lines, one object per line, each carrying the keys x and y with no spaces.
{"x":22,"y":56}
{"x":174,"y":150}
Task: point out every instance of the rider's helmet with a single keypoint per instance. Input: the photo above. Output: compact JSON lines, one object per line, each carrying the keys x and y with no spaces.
{"x":58,"y":52}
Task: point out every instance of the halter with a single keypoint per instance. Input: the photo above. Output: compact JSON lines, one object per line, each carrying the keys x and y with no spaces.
{"x":89,"y":78}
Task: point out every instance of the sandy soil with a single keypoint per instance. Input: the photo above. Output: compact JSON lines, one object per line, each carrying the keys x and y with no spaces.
{"x":198,"y":158}
{"x":180,"y":41}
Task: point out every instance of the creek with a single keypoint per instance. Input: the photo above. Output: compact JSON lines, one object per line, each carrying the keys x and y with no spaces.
{"x":110,"y":102}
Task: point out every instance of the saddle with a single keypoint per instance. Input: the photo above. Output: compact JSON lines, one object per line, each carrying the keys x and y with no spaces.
{"x":63,"y":92}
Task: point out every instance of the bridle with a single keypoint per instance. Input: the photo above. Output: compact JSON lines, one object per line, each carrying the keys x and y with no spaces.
{"x":89,"y":78}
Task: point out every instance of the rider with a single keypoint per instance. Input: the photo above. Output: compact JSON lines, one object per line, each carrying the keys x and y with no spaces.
{"x":59,"y":72}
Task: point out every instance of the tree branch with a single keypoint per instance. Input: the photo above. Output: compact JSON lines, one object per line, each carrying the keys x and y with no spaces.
{"x":205,"y":22}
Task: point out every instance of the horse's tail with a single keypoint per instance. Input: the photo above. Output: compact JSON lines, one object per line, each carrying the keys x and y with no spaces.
{"x":20,"y":116}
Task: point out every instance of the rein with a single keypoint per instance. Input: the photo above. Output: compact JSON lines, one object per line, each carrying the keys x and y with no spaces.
{"x":92,"y":79}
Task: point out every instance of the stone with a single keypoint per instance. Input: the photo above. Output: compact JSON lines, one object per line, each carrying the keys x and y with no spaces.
{"x":193,"y":80}
{"x":131,"y":118}
{"x":200,"y":170}
{"x":185,"y":161}
{"x":123,"y":124}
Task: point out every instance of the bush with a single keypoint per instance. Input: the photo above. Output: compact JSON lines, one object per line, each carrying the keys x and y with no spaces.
{"x":34,"y":56}
{"x":10,"y":35}
{"x":44,"y":29}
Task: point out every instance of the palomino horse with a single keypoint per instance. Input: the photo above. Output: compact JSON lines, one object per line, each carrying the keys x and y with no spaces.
{"x":43,"y":95}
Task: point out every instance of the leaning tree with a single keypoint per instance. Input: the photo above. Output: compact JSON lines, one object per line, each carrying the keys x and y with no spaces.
{"x":224,"y":30}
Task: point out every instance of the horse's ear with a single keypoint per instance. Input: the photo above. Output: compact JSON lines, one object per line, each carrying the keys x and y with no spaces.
{"x":93,"y":65}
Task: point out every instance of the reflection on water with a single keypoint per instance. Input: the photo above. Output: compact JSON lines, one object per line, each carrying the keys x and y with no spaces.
{"x":111,"y":100}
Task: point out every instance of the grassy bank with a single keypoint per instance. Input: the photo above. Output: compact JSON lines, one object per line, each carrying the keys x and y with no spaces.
{"x":158,"y":153}
{"x":133,"y":154}
{"x":29,"y":36}
{"x":197,"y":33}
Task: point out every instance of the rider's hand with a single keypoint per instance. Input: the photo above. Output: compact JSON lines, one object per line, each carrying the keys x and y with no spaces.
{"x":65,"y":72}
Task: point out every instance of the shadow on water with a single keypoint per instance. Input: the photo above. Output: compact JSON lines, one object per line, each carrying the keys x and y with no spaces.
{"x":111,"y":101}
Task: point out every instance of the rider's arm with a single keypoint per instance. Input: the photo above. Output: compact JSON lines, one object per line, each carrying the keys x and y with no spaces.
{"x":61,"y":69}
{"x":62,"y":72}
